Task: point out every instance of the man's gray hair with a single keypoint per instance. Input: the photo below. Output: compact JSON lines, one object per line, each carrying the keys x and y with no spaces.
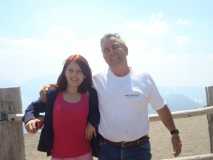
{"x":109,"y":35}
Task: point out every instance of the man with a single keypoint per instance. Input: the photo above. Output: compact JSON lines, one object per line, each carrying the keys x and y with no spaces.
{"x":123,"y":104}
{"x":124,"y":97}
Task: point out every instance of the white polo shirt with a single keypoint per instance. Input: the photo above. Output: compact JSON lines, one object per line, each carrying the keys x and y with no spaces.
{"x":123,"y":104}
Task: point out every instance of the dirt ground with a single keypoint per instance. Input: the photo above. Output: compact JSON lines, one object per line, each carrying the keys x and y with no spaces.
{"x":193,"y":131}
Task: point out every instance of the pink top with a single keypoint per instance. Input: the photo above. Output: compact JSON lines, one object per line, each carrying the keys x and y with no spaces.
{"x":69,"y":124}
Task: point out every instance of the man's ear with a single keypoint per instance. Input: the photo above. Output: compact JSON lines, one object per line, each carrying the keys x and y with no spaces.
{"x":126,"y":49}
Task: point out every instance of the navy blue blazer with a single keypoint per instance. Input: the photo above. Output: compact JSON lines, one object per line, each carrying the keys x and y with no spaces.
{"x":46,"y":136}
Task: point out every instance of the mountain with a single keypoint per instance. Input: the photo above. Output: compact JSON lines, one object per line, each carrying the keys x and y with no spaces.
{"x":177,"y":97}
{"x":184,"y":97}
{"x":181,"y":102}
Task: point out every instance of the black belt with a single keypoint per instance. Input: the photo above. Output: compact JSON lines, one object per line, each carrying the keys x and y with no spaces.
{"x":126,"y":144}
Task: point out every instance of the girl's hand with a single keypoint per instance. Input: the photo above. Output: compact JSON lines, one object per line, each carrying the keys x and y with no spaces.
{"x":34,"y":125}
{"x":90,"y":131}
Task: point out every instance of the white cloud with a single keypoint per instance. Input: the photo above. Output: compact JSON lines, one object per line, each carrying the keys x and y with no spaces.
{"x":182,"y":41}
{"x":154,"y":46}
{"x":183,"y":22}
{"x":29,"y":58}
{"x":176,"y":69}
{"x":155,"y":26}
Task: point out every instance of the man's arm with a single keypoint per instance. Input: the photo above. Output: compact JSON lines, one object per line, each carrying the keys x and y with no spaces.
{"x":43,"y":92}
{"x":166,"y":117}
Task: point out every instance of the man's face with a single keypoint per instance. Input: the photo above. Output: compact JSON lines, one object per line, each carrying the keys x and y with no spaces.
{"x":114,"y":51}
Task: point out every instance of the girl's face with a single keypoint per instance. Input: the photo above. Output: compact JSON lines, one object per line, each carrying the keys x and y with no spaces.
{"x":74,"y":75}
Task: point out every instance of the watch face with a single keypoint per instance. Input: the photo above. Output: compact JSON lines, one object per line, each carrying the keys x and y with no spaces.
{"x":175,"y":131}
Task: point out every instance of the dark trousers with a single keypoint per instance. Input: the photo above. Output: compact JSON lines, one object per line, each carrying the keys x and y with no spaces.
{"x":109,"y":151}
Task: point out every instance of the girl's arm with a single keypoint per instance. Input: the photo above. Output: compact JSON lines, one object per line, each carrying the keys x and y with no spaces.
{"x":33,"y":110}
{"x":94,"y":115}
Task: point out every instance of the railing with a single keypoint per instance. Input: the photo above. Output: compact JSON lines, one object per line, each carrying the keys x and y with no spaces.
{"x":11,"y":133}
{"x":152,"y":117}
{"x":185,"y":113}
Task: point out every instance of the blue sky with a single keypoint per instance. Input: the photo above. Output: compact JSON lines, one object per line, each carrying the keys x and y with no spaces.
{"x":170,"y":39}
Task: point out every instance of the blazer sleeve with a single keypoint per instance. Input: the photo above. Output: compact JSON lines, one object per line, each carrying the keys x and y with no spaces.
{"x":94,"y":114}
{"x":37,"y":107}
{"x":33,"y":110}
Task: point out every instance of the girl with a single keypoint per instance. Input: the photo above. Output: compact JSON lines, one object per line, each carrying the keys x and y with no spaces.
{"x":71,"y":113}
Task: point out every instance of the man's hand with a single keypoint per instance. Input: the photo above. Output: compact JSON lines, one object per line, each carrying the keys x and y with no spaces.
{"x":44,"y":90}
{"x":177,"y":145}
{"x":90,"y":131}
{"x":34,"y":125}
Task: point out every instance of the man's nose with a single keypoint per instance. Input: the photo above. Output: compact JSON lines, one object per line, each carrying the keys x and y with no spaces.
{"x":111,"y":52}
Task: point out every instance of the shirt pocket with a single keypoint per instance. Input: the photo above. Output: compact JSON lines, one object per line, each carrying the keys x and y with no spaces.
{"x":136,"y":97}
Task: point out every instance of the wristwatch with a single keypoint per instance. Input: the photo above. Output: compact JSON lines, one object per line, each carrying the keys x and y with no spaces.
{"x":174,"y":131}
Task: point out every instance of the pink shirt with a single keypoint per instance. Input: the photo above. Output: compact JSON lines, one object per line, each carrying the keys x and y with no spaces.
{"x":69,"y":124}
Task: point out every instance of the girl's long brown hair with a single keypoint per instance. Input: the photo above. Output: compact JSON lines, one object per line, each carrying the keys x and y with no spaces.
{"x":83,"y":64}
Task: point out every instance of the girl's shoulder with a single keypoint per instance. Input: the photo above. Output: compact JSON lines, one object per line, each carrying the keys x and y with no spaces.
{"x":52,"y":94}
{"x":92,"y":91}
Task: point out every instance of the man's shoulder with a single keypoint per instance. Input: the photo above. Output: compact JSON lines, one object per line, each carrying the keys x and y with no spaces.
{"x":52,"y":93}
{"x":141,"y":74}
{"x":100,"y":74}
